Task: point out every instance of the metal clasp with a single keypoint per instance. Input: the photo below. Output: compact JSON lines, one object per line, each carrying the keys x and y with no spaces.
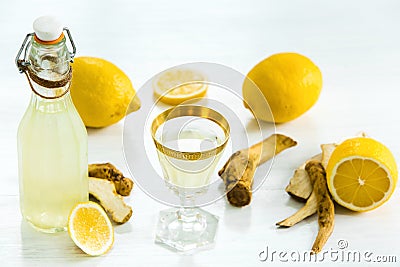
{"x":73,"y":53}
{"x":22,"y":64}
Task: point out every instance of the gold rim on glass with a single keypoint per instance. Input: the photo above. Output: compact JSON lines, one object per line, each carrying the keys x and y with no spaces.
{"x":195,"y":111}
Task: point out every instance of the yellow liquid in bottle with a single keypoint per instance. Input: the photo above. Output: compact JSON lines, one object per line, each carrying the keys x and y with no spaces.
{"x":52,"y":146}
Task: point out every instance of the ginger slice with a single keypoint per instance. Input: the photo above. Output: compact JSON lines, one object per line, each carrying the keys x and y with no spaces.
{"x":123,"y":185}
{"x":300,"y":184}
{"x":104,"y":191}
{"x":238,"y":171}
{"x":307,"y":210}
{"x":327,"y":150}
{"x":325,"y":209}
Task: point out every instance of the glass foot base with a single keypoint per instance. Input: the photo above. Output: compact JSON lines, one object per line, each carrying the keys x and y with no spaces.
{"x":186,"y":228}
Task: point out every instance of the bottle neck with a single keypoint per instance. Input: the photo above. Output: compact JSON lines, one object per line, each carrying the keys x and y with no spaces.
{"x":54,"y":105}
{"x":49,"y":63}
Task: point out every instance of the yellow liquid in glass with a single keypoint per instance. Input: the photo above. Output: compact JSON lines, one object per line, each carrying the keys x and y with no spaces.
{"x":191,"y":173}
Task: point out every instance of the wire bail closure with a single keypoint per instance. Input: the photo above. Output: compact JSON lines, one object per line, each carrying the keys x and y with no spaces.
{"x":22,"y":64}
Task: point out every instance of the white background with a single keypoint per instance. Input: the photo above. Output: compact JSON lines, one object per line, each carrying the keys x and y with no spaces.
{"x":356,"y":45}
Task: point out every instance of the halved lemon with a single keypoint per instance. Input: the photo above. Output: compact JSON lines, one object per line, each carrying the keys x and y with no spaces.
{"x":361,"y":174}
{"x":90,"y":228}
{"x":178,"y":85}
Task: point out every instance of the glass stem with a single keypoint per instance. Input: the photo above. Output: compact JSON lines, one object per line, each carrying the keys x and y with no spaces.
{"x":187,"y":213}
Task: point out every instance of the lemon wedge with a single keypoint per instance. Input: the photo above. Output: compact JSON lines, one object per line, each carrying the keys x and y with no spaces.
{"x":361,"y":174}
{"x":90,"y":228}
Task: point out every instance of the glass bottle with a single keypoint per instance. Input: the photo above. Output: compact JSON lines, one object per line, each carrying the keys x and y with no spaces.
{"x":52,"y":139}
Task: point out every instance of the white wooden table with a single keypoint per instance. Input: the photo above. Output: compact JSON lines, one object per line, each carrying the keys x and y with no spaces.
{"x":355,"y":43}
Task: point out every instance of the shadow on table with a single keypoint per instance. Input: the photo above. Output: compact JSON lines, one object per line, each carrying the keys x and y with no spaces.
{"x":50,"y":248}
{"x":255,"y":125}
{"x":237,"y":219}
{"x":122,"y":228}
{"x":344,"y":211}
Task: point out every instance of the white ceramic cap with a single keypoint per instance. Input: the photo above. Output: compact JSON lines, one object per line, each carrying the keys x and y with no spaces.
{"x":47,"y":28}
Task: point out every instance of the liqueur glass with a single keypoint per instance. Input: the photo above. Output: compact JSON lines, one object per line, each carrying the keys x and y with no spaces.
{"x":189,"y":140}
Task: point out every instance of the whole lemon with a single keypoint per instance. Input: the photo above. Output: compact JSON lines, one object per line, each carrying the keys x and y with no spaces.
{"x":101,"y":92}
{"x":290,"y":82}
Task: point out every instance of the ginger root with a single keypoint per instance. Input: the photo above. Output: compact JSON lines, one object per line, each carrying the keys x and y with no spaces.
{"x":238,"y":171}
{"x":123,"y":185}
{"x":320,"y":202}
{"x":325,"y":209}
{"x":104,"y":191}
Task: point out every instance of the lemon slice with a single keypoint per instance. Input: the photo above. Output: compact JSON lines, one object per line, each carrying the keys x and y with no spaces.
{"x":178,"y":85}
{"x":90,"y":228}
{"x":361,"y":174}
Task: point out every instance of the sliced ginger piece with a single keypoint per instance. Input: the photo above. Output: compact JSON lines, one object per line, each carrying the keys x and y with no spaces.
{"x":307,"y":210}
{"x":327,"y":150}
{"x":300,"y":184}
{"x":123,"y":185}
{"x":104,"y":191}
